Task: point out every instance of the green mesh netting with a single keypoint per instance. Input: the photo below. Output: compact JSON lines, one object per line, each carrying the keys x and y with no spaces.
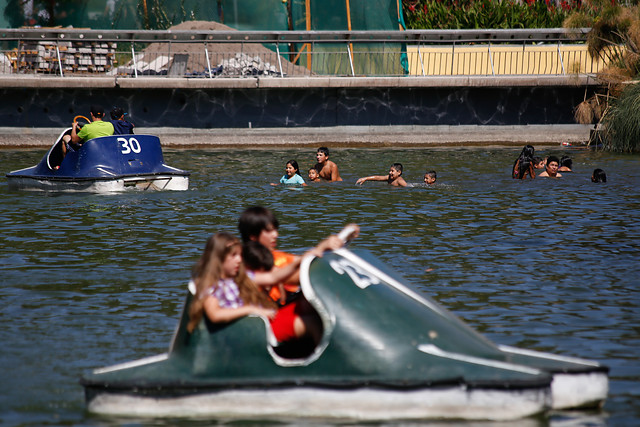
{"x":248,"y":15}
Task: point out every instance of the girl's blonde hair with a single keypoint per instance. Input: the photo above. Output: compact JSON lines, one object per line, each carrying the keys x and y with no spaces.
{"x":207,"y":272}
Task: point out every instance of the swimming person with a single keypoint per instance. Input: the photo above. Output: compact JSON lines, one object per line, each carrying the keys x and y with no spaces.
{"x":292,"y":174}
{"x":314,"y":175}
{"x":430,"y":177}
{"x":327,"y":169}
{"x":565,"y":164}
{"x":524,"y":164}
{"x":226,"y":292}
{"x":394,"y":178}
{"x":551,"y":169}
{"x":598,"y":175}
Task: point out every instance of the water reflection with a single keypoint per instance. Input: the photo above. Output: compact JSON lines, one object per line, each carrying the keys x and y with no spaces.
{"x":90,"y":280}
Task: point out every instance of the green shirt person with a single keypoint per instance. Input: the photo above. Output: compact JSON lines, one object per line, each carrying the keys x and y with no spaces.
{"x":95,"y":129}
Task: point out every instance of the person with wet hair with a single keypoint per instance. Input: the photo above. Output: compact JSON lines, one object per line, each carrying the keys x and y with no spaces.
{"x":430,"y":177}
{"x":524,"y":164}
{"x":551,"y":170}
{"x":598,"y":175}
{"x":394,"y":178}
{"x":566,"y":164}
{"x":327,"y":169}
{"x":291,"y":174}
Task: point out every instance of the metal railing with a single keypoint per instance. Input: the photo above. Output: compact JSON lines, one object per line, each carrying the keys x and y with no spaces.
{"x":218,"y":54}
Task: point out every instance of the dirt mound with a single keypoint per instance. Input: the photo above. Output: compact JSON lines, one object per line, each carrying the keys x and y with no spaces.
{"x":230,"y":59}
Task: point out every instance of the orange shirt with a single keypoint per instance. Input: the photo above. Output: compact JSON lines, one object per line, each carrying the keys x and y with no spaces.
{"x":280,"y":259}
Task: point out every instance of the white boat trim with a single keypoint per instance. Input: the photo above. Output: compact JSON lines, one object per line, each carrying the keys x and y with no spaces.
{"x":133,"y":364}
{"x":437,"y":351}
{"x":550,"y":356}
{"x":454,"y":402}
{"x":579,"y":390}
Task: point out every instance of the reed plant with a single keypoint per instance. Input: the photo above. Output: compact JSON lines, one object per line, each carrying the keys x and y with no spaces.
{"x":615,"y":39}
{"x":621,"y":130}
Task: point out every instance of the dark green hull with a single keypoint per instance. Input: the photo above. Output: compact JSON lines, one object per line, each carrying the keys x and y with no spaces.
{"x":387,"y":352}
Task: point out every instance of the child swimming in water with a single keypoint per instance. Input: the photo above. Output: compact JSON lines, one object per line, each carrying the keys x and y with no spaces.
{"x":292,"y":174}
{"x":394,"y":178}
{"x":430,"y":177}
{"x":314,"y":175}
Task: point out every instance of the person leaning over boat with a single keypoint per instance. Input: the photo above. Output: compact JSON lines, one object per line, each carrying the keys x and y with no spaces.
{"x":95,"y":129}
{"x":259,"y":224}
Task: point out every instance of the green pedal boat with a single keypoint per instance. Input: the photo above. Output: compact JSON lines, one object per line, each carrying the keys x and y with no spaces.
{"x":388,"y":352}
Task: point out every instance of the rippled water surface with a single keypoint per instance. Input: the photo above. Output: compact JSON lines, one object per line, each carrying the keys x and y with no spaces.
{"x":553,"y":265}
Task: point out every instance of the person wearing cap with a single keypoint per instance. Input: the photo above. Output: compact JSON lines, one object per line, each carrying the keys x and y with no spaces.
{"x":120,"y":125}
{"x":95,"y":129}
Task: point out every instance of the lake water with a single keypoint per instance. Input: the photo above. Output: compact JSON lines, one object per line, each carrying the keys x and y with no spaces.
{"x":552,"y":265}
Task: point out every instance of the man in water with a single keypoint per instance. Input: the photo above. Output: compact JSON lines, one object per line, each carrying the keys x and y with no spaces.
{"x":328,"y":170}
{"x":551,"y":169}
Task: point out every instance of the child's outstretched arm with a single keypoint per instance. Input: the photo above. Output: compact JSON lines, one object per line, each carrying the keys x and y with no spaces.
{"x":372,"y":178}
{"x":218,"y":314}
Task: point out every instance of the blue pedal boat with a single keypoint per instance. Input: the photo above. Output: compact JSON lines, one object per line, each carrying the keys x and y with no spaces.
{"x":387,"y":353}
{"x":100,"y":165}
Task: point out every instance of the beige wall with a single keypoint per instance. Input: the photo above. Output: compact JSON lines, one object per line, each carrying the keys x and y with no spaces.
{"x":507,"y":60}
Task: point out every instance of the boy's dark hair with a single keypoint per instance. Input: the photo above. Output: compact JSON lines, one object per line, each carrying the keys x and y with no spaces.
{"x":553,"y":159}
{"x":432,"y":174}
{"x":257,"y":256}
{"x":323,"y":150}
{"x":566,"y":161}
{"x":398,"y":167}
{"x":255,"y":219}
{"x":116,"y":113}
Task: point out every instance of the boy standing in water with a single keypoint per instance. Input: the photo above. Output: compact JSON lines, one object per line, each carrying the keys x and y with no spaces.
{"x":394,"y":178}
{"x":326,"y":168}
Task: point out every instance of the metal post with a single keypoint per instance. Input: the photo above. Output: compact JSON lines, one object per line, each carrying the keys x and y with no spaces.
{"x":206,"y":52}
{"x":133,"y":57}
{"x":561,"y":61}
{"x":279,"y":60}
{"x":353,"y":73}
{"x":493,"y":72}
{"x":421,"y":61}
{"x":453,"y":55}
{"x":59,"y":60}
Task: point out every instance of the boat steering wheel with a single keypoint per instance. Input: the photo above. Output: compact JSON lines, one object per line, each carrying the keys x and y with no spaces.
{"x":76,"y":118}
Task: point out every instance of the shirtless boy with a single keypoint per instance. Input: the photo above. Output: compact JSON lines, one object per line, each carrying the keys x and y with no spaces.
{"x":551,"y":169}
{"x":394,"y":178}
{"x":327,"y":169}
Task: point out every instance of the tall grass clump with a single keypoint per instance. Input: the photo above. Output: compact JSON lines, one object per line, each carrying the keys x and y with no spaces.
{"x":622,"y":122}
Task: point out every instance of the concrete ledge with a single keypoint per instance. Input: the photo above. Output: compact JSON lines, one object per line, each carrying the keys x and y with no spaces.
{"x":347,"y":136}
{"x":146,"y":82}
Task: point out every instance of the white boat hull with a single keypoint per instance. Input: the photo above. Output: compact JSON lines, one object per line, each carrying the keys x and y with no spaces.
{"x":360,"y":404}
{"x":156,"y":182}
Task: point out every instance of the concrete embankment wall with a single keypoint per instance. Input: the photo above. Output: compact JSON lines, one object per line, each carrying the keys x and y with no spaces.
{"x":320,"y":105}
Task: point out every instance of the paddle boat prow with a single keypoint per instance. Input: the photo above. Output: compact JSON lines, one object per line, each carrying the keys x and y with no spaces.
{"x":387,"y":353}
{"x":105,"y":164}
